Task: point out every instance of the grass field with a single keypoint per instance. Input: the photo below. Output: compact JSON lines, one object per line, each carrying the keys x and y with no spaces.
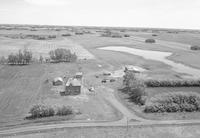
{"x":21,"y":87}
{"x":19,"y":90}
{"x":24,"y":86}
{"x":182,"y":37}
{"x":181,"y":52}
{"x":41,"y":47}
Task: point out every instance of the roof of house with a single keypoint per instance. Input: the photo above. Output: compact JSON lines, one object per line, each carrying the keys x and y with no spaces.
{"x":134,"y":68}
{"x":58,"y":79}
{"x":73,"y":82}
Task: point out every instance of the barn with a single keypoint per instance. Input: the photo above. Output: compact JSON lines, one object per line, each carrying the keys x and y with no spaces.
{"x":134,"y":69}
{"x":73,"y":87}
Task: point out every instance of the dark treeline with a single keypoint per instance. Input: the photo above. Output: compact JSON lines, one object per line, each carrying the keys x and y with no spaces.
{"x":22,"y":57}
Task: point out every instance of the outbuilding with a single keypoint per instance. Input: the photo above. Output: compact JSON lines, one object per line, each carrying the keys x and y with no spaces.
{"x":134,"y":69}
{"x":79,"y":75}
{"x":58,"y":81}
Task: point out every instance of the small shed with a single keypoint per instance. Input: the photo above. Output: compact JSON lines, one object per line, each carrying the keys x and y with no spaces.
{"x":58,"y":81}
{"x":79,"y":75}
{"x":106,"y":73}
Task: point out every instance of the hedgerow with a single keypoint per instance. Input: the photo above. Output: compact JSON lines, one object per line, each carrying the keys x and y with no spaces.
{"x":172,"y":83}
{"x":174,"y":102}
{"x":195,"y":47}
{"x":65,"y":110}
{"x":40,"y":111}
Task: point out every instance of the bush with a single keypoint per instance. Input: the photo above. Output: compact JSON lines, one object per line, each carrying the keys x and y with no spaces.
{"x":195,"y":47}
{"x":138,"y":95}
{"x":174,"y":102}
{"x":3,"y":60}
{"x":172,"y":83}
{"x":79,"y":33}
{"x":111,"y":34}
{"x":65,"y":110}
{"x":126,"y":35}
{"x":66,"y":34}
{"x":154,"y":35}
{"x":39,"y":111}
{"x":52,"y":36}
{"x":115,"y":35}
{"x":150,"y":41}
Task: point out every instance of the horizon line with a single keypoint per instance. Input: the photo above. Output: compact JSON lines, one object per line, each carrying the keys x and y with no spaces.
{"x":96,"y":26}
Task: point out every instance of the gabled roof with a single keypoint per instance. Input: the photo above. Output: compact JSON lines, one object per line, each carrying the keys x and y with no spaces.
{"x":134,"y":68}
{"x":73,"y":82}
{"x":58,"y":79}
{"x":79,"y":73}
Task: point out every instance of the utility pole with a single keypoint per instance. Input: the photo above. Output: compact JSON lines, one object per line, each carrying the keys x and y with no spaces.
{"x":127,"y":124}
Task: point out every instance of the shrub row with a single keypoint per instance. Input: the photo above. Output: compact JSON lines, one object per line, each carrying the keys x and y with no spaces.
{"x":65,"y":110}
{"x":39,"y":111}
{"x":31,"y":36}
{"x":66,"y":34}
{"x":195,"y":47}
{"x":172,"y":83}
{"x":150,"y":41}
{"x":174,"y":102}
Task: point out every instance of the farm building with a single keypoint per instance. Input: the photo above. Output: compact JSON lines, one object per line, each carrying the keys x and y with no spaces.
{"x":73,"y":87}
{"x":134,"y":69}
{"x":58,"y":81}
{"x":106,"y":73}
{"x":79,"y":75}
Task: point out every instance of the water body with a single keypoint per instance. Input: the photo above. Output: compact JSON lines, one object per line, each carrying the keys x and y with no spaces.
{"x":157,"y":56}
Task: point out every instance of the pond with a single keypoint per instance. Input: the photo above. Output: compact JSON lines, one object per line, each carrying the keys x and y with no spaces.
{"x":157,"y":56}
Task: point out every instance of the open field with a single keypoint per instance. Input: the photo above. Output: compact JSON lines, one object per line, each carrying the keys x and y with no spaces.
{"x":41,"y":47}
{"x":21,"y":87}
{"x":181,"y":37}
{"x":181,"y":52}
{"x":29,"y":88}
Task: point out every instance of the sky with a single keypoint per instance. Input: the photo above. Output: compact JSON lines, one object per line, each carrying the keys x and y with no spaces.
{"x":181,"y":14}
